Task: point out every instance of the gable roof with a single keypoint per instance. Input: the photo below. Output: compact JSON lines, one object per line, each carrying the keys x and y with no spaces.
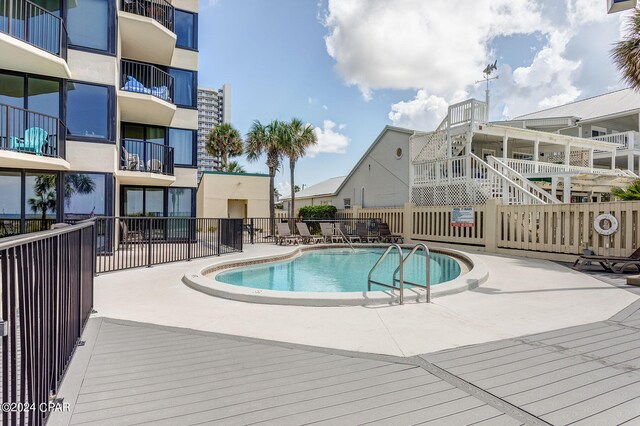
{"x":326,"y":187}
{"x":612,"y":103}
{"x":373,"y":145}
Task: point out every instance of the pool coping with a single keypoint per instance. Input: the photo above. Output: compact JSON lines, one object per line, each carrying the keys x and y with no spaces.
{"x":201,"y":280}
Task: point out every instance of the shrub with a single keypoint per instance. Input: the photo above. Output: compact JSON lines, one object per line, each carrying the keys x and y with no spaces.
{"x":318,"y":212}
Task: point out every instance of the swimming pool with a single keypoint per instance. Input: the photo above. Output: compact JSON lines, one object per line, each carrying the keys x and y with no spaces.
{"x":338,"y":270}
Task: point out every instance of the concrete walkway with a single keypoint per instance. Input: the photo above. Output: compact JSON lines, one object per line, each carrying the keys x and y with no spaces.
{"x":522,"y":296}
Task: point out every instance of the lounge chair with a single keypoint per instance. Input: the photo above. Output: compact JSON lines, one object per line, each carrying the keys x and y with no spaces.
{"x":130,"y":161}
{"x":328,"y":233}
{"x":363,"y":232}
{"x":347,"y":235}
{"x":387,"y":237}
{"x":285,"y":235}
{"x":34,"y":140}
{"x":154,"y":165}
{"x":305,"y":234}
{"x":133,"y":85}
{"x":129,"y":236}
{"x":609,"y":263}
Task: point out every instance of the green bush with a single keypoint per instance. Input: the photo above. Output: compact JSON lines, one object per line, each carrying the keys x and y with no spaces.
{"x":318,"y":212}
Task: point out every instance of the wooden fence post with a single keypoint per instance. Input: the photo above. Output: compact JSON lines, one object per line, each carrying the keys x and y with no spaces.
{"x":407,"y":221}
{"x":490,"y":231}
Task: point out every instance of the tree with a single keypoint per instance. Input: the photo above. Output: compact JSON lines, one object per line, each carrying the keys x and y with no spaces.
{"x":629,"y":194}
{"x":44,"y":190}
{"x":297,"y":139}
{"x":224,"y":142}
{"x":77,"y":183}
{"x":235,"y":167}
{"x":626,"y":52}
{"x":296,"y":188}
{"x":267,"y":140}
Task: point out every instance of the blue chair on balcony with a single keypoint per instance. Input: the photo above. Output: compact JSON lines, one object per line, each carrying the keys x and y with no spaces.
{"x":34,"y":140}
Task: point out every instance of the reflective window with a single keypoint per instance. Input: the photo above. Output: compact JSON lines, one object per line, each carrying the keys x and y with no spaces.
{"x":85,"y":195}
{"x":184,"y":87}
{"x":185,"y":29}
{"x":10,"y":190}
{"x":44,"y":96}
{"x":87,"y":110}
{"x":12,"y":90}
{"x":182,"y":142}
{"x":180,"y":202}
{"x":133,"y":203}
{"x":40,"y":201}
{"x":154,"y":202}
{"x":88,"y":24}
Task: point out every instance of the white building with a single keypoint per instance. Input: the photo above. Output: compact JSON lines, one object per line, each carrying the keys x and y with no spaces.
{"x":321,"y":194}
{"x":214,"y":107}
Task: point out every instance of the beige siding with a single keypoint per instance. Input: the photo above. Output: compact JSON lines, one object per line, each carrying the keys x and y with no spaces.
{"x":222,"y":195}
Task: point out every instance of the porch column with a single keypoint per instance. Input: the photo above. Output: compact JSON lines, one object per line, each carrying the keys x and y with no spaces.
{"x":591,"y":158}
{"x":613,"y":160}
{"x":554,"y":187}
{"x":567,"y":154}
{"x":536,"y":153}
{"x":566,"y":193}
{"x":630,"y":161}
{"x":504,"y":146}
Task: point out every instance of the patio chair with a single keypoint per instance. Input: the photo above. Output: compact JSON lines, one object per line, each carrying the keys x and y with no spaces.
{"x":347,"y":235}
{"x":609,"y":263}
{"x":285,"y":235}
{"x":9,"y":228}
{"x":154,"y":165}
{"x":363,"y":232}
{"x":129,"y":236}
{"x":306,"y":235}
{"x":328,"y":233}
{"x":34,"y":140}
{"x":130,"y":161}
{"x":386,"y":236}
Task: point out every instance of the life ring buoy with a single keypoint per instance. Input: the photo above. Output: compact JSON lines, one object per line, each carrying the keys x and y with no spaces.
{"x":613,"y":224}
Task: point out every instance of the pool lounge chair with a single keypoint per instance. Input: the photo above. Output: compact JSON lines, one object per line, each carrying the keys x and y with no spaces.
{"x":328,"y":233}
{"x":305,"y":234}
{"x":363,"y":232}
{"x":285,"y":235}
{"x":610,"y":263}
{"x":387,"y":237}
{"x":347,"y":235}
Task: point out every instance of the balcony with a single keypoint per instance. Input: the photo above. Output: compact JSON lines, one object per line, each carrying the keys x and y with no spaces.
{"x":145,"y":163}
{"x":33,"y":39}
{"x":30,"y":140}
{"x":146,"y":94}
{"x":625,"y":140}
{"x":146,"y":30}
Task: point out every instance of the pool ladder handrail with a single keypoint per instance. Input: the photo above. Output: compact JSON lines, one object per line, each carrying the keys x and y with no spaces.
{"x":427,"y":285}
{"x":344,"y":238}
{"x":400,"y":264}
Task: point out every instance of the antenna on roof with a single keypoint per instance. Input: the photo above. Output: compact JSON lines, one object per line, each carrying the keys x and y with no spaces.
{"x":487,"y":78}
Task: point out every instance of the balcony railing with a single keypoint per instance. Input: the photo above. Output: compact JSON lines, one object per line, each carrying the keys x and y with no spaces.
{"x":144,"y":156}
{"x":146,"y":79}
{"x":31,"y":132}
{"x":159,"y":10}
{"x":35,"y":25}
{"x":625,"y":139}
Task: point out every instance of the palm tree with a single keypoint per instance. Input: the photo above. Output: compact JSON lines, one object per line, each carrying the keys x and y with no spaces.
{"x":626,"y":52}
{"x":299,"y":138}
{"x":235,"y":167}
{"x":77,"y":183}
{"x":630,"y":194}
{"x":224,"y":142}
{"x":267,"y":140}
{"x":44,"y":190}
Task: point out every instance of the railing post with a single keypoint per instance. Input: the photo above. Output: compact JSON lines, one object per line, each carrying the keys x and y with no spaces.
{"x":251,"y":230}
{"x":189,"y":239}
{"x":149,"y":242}
{"x":219,"y":236}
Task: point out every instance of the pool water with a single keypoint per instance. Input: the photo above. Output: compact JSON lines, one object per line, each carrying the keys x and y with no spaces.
{"x":339,"y":270}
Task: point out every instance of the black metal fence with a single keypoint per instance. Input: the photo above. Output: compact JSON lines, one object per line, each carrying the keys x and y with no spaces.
{"x":264,"y":229}
{"x":146,"y":79}
{"x":145,"y":156}
{"x":159,"y":10}
{"x":26,"y":131}
{"x":35,"y":25}
{"x":47,"y":297}
{"x":133,"y":242}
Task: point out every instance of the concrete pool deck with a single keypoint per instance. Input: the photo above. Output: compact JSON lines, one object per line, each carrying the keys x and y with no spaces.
{"x":521,"y":297}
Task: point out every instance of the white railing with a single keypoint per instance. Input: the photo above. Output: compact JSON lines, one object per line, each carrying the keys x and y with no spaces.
{"x":530,"y":168}
{"x":463,"y":112}
{"x":626,"y":140}
{"x":523,"y":181}
{"x":452,"y":180}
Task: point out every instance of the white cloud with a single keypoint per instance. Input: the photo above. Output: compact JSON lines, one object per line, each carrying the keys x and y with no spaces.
{"x":329,"y":140}
{"x":324,"y":107}
{"x":311,"y":100}
{"x":439,"y":48}
{"x":284,"y":188}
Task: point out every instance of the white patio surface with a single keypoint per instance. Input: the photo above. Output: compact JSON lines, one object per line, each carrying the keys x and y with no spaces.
{"x":522,"y":296}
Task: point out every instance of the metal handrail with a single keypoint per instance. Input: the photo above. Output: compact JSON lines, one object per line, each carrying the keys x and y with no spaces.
{"x":427,"y":285}
{"x":344,"y":237}
{"x":400,"y":263}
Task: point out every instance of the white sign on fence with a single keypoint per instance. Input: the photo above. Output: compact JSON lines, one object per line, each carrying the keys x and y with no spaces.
{"x":463,"y":216}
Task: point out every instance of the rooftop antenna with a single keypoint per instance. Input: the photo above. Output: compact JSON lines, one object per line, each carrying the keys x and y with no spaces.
{"x":487,"y":78}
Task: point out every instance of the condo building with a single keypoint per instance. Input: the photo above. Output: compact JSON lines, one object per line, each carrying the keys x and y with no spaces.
{"x":214,"y":107}
{"x":98,"y":110}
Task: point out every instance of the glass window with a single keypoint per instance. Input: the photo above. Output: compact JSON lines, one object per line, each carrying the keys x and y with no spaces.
{"x":85,"y":195}
{"x":87,"y":110}
{"x":44,"y":96}
{"x":88,"y":24}
{"x":40,"y":201}
{"x":185,"y":28}
{"x":155,"y":134}
{"x":182,"y":142}
{"x":133,"y":203}
{"x":130,"y":131}
{"x":180,"y":202}
{"x":154,"y":202}
{"x":184,"y":87}
{"x":12,"y":90}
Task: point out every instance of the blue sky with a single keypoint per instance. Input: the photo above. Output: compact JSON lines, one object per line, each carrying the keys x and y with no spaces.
{"x":280,"y":63}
